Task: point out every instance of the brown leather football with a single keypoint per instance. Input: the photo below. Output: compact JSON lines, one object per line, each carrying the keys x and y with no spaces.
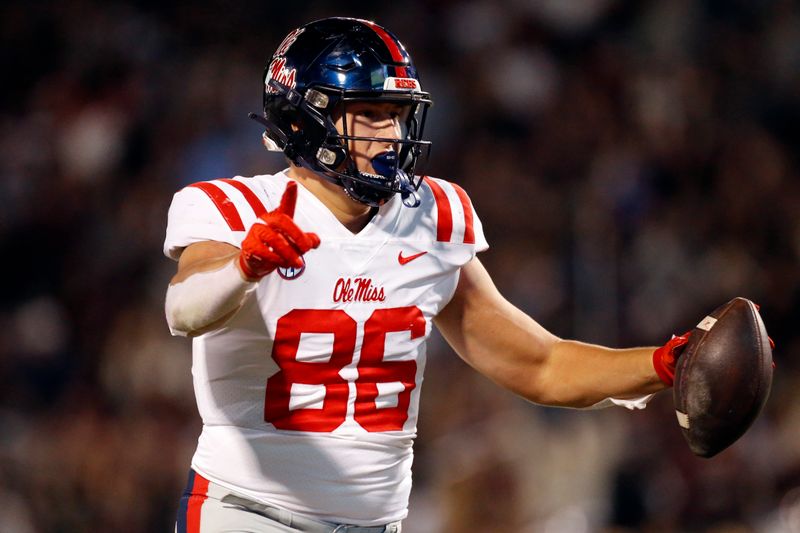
{"x":723,"y":377}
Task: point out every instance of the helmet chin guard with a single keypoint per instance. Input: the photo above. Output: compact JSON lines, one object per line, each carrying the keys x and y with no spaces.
{"x":390,"y":177}
{"x":375,"y":189}
{"x":317,"y":70}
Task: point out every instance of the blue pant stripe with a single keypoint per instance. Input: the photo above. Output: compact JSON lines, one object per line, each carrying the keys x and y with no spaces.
{"x":183,"y":508}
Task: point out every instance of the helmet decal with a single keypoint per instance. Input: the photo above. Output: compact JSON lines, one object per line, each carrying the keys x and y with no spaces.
{"x":277,"y":71}
{"x":401,"y":84}
{"x":288,"y":41}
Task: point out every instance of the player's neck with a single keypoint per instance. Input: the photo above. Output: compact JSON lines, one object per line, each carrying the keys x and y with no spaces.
{"x":352,"y":215}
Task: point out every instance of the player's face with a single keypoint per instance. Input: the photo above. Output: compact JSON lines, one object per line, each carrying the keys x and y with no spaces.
{"x":373,"y":119}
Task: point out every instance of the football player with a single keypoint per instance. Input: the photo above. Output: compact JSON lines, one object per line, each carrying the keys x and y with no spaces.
{"x":309,"y":295}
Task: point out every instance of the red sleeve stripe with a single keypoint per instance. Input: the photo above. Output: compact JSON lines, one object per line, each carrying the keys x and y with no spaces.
{"x":195,"y":505}
{"x":444,"y":220}
{"x":223,"y":203}
{"x":250,"y":196}
{"x":391,"y":44}
{"x":469,"y":231}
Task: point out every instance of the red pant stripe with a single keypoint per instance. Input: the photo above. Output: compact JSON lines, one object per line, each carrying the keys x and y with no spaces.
{"x":199,"y":495}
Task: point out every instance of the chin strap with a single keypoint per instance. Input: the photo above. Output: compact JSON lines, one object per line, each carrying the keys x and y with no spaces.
{"x":387,"y":165}
{"x":407,"y":191}
{"x":271,"y":145}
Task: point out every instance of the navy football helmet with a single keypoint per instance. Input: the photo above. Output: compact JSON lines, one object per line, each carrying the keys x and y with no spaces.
{"x":316,"y":71}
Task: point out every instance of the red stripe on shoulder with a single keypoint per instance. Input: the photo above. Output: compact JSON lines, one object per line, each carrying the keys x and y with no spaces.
{"x":195,"y":506}
{"x":249,"y":195}
{"x":223,"y":203}
{"x":469,"y":231}
{"x":444,"y":219}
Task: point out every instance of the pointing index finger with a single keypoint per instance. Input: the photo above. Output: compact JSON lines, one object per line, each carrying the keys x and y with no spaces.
{"x":288,"y":200}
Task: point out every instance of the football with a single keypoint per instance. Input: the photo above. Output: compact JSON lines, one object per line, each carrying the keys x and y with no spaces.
{"x":723,"y":377}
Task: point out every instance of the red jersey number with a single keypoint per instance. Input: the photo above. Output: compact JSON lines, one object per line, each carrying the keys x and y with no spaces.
{"x":284,"y":352}
{"x":372,"y":370}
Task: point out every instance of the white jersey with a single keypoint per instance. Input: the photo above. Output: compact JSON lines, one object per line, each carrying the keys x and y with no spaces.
{"x":309,"y":395}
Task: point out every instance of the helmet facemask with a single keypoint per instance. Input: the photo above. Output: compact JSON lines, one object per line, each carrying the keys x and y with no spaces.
{"x":393,"y":168}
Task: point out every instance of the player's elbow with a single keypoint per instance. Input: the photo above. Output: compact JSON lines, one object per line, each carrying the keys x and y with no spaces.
{"x":559,"y":397}
{"x":182,"y":321}
{"x":556,"y":395}
{"x":189,"y":317}
{"x":554,"y":388}
{"x":205,"y":300}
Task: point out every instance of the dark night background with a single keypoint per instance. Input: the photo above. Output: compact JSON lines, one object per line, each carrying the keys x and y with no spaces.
{"x":635,"y":164}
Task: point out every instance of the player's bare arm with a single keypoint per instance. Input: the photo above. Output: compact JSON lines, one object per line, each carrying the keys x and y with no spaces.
{"x":512,"y":349}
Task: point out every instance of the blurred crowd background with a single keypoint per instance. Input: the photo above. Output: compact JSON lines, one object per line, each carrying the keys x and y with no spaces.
{"x":635,"y":164}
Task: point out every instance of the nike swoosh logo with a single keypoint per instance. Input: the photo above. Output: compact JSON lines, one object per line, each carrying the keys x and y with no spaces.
{"x":403,"y":260}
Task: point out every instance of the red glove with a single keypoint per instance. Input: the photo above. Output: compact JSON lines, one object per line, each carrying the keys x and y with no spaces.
{"x":664,"y":358}
{"x":275,"y":240}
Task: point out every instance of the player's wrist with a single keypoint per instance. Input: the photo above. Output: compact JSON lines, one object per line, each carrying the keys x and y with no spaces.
{"x":665,"y":371}
{"x":666,"y":357}
{"x":251,"y":269}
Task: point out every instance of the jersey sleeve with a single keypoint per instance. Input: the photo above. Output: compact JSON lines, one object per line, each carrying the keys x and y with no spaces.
{"x":479,"y":241}
{"x":207,"y":211}
{"x":455,"y":223}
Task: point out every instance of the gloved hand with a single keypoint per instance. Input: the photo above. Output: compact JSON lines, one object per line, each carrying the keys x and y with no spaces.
{"x":665,"y":358}
{"x":275,"y":240}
